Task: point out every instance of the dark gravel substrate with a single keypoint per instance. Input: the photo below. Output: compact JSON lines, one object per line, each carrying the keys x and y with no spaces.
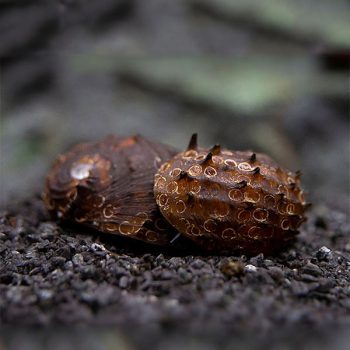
{"x":57,"y":276}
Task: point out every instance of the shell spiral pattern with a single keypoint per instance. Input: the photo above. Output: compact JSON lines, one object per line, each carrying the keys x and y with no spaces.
{"x":230,"y":202}
{"x":108,"y":185}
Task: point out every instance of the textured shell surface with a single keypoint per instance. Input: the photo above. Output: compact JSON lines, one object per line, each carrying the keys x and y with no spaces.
{"x":228,"y":201}
{"x":108,"y":185}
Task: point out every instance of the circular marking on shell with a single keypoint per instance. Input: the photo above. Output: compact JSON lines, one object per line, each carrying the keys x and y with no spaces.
{"x":236,"y":195}
{"x":221,"y":211}
{"x":126,"y":228}
{"x":243,"y":215}
{"x":291,"y":209}
{"x":151,"y":236}
{"x":80,"y":171}
{"x":172,"y":187}
{"x":251,"y":196}
{"x":230,"y":163}
{"x":263,"y":171}
{"x":270,"y":201}
{"x":175,"y":172}
{"x":283,"y":189}
{"x":210,"y":225}
{"x":160,"y":183}
{"x":99,"y":201}
{"x":195,"y":186}
{"x":241,"y":178}
{"x":184,"y":223}
{"x":162,"y":200}
{"x":142,"y":215}
{"x":164,"y":167}
{"x":137,"y":223}
{"x":210,"y":172}
{"x":79,"y":218}
{"x":195,"y":170}
{"x":167,"y":207}
{"x":285,"y":224}
{"x":255,"y":232}
{"x":217,"y":160}
{"x":111,"y":227}
{"x":108,"y":211}
{"x":194,"y":230}
{"x":180,"y":206}
{"x":190,"y":154}
{"x":200,"y":157}
{"x":244,"y":166}
{"x":260,"y":214}
{"x":228,"y":234}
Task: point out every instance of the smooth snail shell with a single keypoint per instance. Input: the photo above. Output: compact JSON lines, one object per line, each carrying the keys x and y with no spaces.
{"x":108,"y":185}
{"x":229,"y":201}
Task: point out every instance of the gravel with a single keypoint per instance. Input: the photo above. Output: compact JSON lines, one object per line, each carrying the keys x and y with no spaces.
{"x":66,"y":276}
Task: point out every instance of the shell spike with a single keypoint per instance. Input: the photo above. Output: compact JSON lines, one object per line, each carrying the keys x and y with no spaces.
{"x":252,"y":158}
{"x":241,"y":184}
{"x":208,"y":158}
{"x":215,"y":150}
{"x":193,"y":142}
{"x":183,"y":174}
{"x":307,"y":205}
{"x":256,"y":170}
{"x":190,"y":197}
{"x":292,"y":186}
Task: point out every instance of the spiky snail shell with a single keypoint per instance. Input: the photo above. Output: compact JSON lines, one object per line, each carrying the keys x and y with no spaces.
{"x":108,"y":185}
{"x":230,"y":201}
{"x":224,"y":201}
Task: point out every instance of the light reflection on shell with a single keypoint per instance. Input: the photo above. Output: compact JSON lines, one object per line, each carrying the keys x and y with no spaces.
{"x":108,"y":185}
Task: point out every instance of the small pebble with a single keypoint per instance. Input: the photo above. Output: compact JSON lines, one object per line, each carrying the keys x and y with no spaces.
{"x":232,"y":268}
{"x":78,"y":259}
{"x":312,"y":269}
{"x":324,"y":253}
{"x":123,"y":282}
{"x":97,"y":247}
{"x":250,"y":268}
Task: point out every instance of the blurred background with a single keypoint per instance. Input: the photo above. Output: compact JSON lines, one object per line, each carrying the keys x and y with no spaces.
{"x":272,"y":76}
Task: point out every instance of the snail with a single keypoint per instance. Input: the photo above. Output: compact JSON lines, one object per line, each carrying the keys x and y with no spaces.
{"x":224,"y":201}
{"x":108,"y":185}
{"x":230,"y":201}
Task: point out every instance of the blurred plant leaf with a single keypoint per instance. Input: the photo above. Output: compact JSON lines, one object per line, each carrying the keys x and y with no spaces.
{"x":246,"y":85}
{"x":321,"y":20}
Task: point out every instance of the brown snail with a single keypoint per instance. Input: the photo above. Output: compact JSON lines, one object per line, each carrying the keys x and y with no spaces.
{"x":108,"y":185}
{"x":229,"y":201}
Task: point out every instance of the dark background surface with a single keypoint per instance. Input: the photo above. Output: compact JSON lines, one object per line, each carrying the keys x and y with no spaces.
{"x":270,"y":76}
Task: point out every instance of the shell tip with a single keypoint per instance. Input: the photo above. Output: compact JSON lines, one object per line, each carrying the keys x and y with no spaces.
{"x":208,"y":158}
{"x":252,"y":158}
{"x":193,"y":142}
{"x":215,"y":150}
